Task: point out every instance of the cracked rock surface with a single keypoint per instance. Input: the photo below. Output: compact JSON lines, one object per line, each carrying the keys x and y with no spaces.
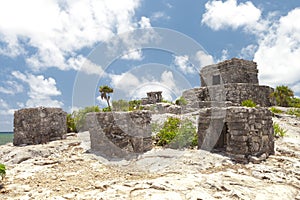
{"x":63,"y":170}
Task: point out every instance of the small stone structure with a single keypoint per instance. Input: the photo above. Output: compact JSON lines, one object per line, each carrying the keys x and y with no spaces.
{"x":120,"y":134}
{"x":152,"y":98}
{"x":39,"y":125}
{"x":241,"y":132}
{"x":228,"y":83}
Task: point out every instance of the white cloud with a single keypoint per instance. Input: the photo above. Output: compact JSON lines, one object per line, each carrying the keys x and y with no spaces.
{"x":224,"y":55}
{"x":145,"y":22}
{"x":58,"y":29}
{"x":229,"y":14}
{"x":159,"y":15}
{"x":11,"y":87}
{"x":184,"y":65}
{"x":136,"y":87}
{"x":85,"y":65}
{"x":248,"y":51}
{"x":5,"y":108}
{"x":41,"y":90}
{"x":278,"y":52}
{"x":125,"y":81}
{"x":165,"y":83}
{"x":135,"y":54}
{"x":204,"y":59}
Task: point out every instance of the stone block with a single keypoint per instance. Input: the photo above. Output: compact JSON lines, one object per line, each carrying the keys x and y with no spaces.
{"x":39,"y":125}
{"x":120,"y":134}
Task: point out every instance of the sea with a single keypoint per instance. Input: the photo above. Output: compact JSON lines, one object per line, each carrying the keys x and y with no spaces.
{"x":6,"y":137}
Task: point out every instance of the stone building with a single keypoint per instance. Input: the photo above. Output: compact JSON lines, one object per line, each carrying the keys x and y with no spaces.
{"x":228,"y":83}
{"x":243,"y":133}
{"x":39,"y":125}
{"x":120,"y":134}
{"x":152,"y":98}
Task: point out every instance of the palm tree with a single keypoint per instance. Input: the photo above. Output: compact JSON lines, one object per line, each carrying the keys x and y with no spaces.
{"x":105,"y":90}
{"x":283,"y":95}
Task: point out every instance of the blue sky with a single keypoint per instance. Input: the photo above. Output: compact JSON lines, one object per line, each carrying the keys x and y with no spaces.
{"x":57,"y":53}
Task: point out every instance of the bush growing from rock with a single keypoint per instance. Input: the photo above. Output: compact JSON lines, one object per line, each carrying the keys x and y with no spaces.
{"x":177,"y":134}
{"x":76,"y":120}
{"x":278,"y":131}
{"x":275,"y":110}
{"x":181,"y":101}
{"x":2,"y":171}
{"x":295,"y":112}
{"x":283,"y":95}
{"x":249,"y":103}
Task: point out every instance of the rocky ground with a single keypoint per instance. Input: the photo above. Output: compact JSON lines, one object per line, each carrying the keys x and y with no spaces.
{"x":63,"y":170}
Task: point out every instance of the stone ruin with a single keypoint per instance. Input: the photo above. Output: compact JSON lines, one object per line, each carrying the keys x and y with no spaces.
{"x":152,"y":98}
{"x":39,"y":125}
{"x":244,"y":134}
{"x":120,"y":134}
{"x":228,"y":83}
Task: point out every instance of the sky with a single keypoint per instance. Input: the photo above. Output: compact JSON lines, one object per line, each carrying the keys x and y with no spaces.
{"x":57,"y":53}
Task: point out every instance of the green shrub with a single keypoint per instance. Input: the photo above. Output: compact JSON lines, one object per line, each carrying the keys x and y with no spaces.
{"x":168,"y":131}
{"x":2,"y":171}
{"x":120,"y":105}
{"x":71,"y":124}
{"x":295,"y":112}
{"x":186,"y":136}
{"x":181,"y":101}
{"x":275,"y":110}
{"x":135,"y":105}
{"x":76,"y":120}
{"x":177,"y":134}
{"x":107,"y":109}
{"x":278,"y":131}
{"x":294,"y":102}
{"x":283,"y":95}
{"x":248,"y":103}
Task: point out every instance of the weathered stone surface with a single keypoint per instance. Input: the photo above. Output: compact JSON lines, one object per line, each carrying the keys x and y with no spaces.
{"x":229,"y":71}
{"x":249,"y":138}
{"x":119,"y":134}
{"x":161,"y":108}
{"x":216,"y":95}
{"x":39,"y":125}
{"x":228,"y":84}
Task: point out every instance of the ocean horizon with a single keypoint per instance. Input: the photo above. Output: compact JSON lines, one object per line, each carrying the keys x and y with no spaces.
{"x":6,"y":137}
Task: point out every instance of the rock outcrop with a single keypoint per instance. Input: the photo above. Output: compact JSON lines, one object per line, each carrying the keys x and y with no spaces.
{"x":39,"y":125}
{"x":120,"y":134}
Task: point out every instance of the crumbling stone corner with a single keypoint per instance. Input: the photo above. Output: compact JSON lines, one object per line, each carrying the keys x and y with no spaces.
{"x":39,"y":125}
{"x":245,"y":134}
{"x":120,"y":134}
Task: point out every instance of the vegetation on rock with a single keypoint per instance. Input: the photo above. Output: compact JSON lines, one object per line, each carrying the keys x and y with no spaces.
{"x":248,"y":103}
{"x":181,"y":101}
{"x":278,"y":131}
{"x":76,"y":120}
{"x":177,"y":134}
{"x":283,"y":95}
{"x":295,"y":112}
{"x":275,"y":110}
{"x":123,"y":105}
{"x":2,"y":171}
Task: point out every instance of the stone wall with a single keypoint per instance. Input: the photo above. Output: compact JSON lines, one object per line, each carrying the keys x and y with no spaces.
{"x":229,"y":71}
{"x":244,"y":133}
{"x":120,"y":134}
{"x":39,"y":125}
{"x":234,"y":93}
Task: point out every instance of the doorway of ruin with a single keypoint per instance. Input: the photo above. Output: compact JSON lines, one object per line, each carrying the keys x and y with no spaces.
{"x":221,"y":144}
